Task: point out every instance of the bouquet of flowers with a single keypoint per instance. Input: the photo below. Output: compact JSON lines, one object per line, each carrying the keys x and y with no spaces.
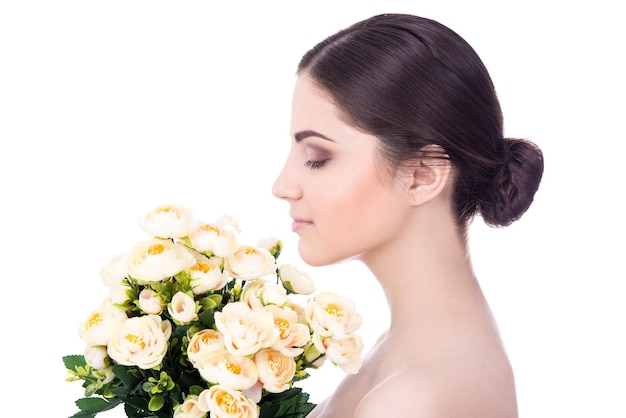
{"x":198,"y":324}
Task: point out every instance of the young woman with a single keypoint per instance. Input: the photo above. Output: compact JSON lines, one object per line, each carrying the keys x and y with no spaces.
{"x":397,"y":144}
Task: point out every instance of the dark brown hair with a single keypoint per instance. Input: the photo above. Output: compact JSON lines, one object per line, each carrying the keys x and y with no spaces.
{"x":413,"y":82}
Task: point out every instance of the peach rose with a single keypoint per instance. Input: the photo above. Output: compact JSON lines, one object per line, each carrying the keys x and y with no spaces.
{"x":225,"y":402}
{"x":276,"y":370}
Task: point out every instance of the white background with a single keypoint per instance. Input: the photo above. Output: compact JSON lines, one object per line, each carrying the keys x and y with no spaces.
{"x":110,"y":108}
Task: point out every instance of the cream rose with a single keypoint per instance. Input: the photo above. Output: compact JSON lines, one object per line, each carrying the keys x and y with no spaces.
{"x":119,"y":293}
{"x":271,"y":244}
{"x":207,"y":274}
{"x":227,"y":220}
{"x":168,"y":221}
{"x":140,"y":341}
{"x":332,"y":315}
{"x":112,"y":276}
{"x":298,"y":309}
{"x":202,"y":343}
{"x":225,"y":402}
{"x":182,"y":308}
{"x":220,"y":240}
{"x":156,"y":259}
{"x":246,"y":330}
{"x":296,"y":280}
{"x":114,"y":272}
{"x":150,"y":302}
{"x":224,"y":368}
{"x":189,"y":408}
{"x":276,"y":370}
{"x":97,"y":357}
{"x":268,"y":243}
{"x":292,"y":335}
{"x":259,"y":293}
{"x":101,"y":323}
{"x":345,"y":353}
{"x":249,"y":263}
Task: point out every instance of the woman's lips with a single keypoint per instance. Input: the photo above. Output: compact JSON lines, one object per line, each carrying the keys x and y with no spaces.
{"x":298,"y":224}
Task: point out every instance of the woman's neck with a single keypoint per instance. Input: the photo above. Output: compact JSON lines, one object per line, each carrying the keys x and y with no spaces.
{"x":426,"y":270}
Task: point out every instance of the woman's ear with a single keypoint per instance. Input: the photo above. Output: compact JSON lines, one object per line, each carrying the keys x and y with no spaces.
{"x":428,"y":174}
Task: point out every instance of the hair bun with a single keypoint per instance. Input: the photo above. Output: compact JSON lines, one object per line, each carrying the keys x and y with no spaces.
{"x":515,"y":183}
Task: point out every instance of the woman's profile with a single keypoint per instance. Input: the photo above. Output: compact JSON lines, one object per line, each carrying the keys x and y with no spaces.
{"x":397,"y":144}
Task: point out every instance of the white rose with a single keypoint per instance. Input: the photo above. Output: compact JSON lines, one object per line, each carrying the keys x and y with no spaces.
{"x":225,"y":402}
{"x":169,"y":221}
{"x":202,"y":343}
{"x":276,"y":371}
{"x":271,"y":244}
{"x":150,"y":302}
{"x":227,"y":220}
{"x":101,"y":323}
{"x":292,"y":335}
{"x":296,"y":280}
{"x":140,"y":341}
{"x":259,"y":293}
{"x":207,"y":274}
{"x":246,"y":330}
{"x":298,"y":309}
{"x":224,"y":368}
{"x":114,"y":272}
{"x":332,"y":315}
{"x":221,"y":240}
{"x":156,"y":259}
{"x":182,"y":308}
{"x":189,"y":408}
{"x":249,"y":263}
{"x":268,"y":243}
{"x":119,"y":293}
{"x":112,"y":276}
{"x":96,"y":357}
{"x":345,"y":353}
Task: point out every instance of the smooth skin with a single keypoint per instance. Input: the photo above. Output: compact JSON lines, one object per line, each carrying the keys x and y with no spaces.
{"x":442,"y":356}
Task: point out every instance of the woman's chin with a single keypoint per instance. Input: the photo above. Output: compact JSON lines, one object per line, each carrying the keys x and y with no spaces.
{"x":319,"y":258}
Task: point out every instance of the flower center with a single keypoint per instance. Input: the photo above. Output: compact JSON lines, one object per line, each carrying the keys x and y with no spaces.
{"x":136,"y":339}
{"x":334,"y":310}
{"x":202,"y":267}
{"x":94,"y":320}
{"x":233,"y":367}
{"x":155,"y":249}
{"x":210,"y":337}
{"x":226,"y":402}
{"x":210,"y":228}
{"x":283,"y":326}
{"x":250,"y":251}
{"x":273,"y":362}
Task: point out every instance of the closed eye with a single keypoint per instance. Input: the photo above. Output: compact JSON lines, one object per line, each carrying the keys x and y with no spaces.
{"x":312,"y":164}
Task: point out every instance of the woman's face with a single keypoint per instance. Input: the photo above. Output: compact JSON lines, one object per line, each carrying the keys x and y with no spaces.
{"x":342,"y":199}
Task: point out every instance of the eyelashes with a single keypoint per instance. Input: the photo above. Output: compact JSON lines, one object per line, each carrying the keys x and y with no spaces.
{"x":315,"y":164}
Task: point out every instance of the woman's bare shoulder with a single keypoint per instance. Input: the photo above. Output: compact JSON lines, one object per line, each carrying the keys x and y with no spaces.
{"x":403,"y":391}
{"x":414,"y":392}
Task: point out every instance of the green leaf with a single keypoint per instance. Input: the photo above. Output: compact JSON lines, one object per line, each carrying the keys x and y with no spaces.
{"x":89,"y":407}
{"x":73,"y":361}
{"x":156,"y":403}
{"x":207,"y":318}
{"x":292,"y":403}
{"x":123,"y":373}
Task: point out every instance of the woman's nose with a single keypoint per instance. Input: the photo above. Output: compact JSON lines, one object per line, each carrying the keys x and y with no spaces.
{"x":286,"y":185}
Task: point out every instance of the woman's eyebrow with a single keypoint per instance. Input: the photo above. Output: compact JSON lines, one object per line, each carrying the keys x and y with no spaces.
{"x":299,"y":136}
